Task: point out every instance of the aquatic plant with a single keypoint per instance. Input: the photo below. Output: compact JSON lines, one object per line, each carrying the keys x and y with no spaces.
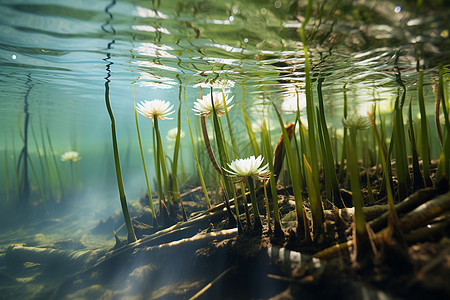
{"x":149,"y":191}
{"x":302,"y":223}
{"x":248,"y":169}
{"x":251,"y":136}
{"x":173,"y":133}
{"x":204,"y":106}
{"x":157,"y":110}
{"x":205,"y":192}
{"x":354,"y":123}
{"x":267,"y":151}
{"x":131,"y":237}
{"x":72,"y":156}
{"x":216,"y":104}
{"x":424,"y":142}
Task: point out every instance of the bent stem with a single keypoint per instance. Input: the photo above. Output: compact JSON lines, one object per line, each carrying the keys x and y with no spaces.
{"x":123,"y":199}
{"x":211,"y":155}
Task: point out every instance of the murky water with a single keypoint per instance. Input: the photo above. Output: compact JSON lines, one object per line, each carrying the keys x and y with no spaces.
{"x":56,"y":56}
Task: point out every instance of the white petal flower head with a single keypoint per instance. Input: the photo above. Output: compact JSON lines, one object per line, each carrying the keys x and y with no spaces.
{"x":70,"y":156}
{"x":357,"y":122}
{"x":241,"y":169}
{"x":204,"y":108}
{"x":172,"y":134}
{"x":155,"y":108}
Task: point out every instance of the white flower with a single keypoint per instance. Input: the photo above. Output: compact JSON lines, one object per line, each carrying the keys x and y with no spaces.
{"x":356,"y":122}
{"x":172,"y":134}
{"x":155,"y":108}
{"x":70,"y":156}
{"x":244,"y":168}
{"x":203,"y":107}
{"x":291,"y":104}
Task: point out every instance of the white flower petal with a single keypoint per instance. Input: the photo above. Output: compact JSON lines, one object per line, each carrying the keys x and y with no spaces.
{"x":159,"y":108}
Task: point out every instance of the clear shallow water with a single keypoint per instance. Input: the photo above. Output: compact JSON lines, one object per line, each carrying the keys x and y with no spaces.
{"x":56,"y":55}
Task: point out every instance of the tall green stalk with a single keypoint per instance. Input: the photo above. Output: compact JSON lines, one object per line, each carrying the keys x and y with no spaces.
{"x":309,"y":101}
{"x":444,"y":165}
{"x":208,"y":204}
{"x":145,"y":168}
{"x":176,"y":150}
{"x":123,"y":200}
{"x":6,"y":174}
{"x":41,"y":162}
{"x":251,"y":185}
{"x":223,"y":156}
{"x":267,"y":150}
{"x":418,"y":182}
{"x":424,"y":133}
{"x":360,"y":233}
{"x":58,"y":173}
{"x":50,"y":174}
{"x":251,"y":136}
{"x":400,"y":154}
{"x":392,"y":211}
{"x":244,"y":198}
{"x":299,"y":208}
{"x":344,"y":139}
{"x":162,"y":161}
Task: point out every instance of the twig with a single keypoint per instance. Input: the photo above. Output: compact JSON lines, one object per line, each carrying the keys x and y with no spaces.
{"x":209,"y":285}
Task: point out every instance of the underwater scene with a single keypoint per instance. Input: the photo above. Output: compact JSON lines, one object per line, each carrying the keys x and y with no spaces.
{"x":216,"y":149}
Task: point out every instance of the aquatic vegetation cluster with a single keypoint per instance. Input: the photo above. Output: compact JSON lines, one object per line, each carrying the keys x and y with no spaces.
{"x":306,"y":159}
{"x":39,"y":175}
{"x":310,"y":153}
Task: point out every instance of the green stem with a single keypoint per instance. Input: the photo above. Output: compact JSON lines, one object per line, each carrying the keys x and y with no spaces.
{"x":176,"y":150}
{"x":143,"y":165}
{"x":273,"y":188}
{"x":60,"y":180}
{"x":249,"y":129}
{"x":424,"y":133}
{"x":195,"y":152}
{"x":157,"y":159}
{"x":123,"y":199}
{"x":352,"y":161}
{"x":251,"y":185}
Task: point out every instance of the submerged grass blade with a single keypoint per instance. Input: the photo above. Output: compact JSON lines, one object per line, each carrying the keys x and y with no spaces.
{"x":205,"y":192}
{"x":294,"y":177}
{"x":444,"y":163}
{"x":344,"y":139}
{"x":314,"y":199}
{"x":418,"y":182}
{"x":401,"y":158}
{"x":123,"y":199}
{"x":251,"y":136}
{"x":424,"y":133}
{"x":7,"y":187}
{"x":224,"y":158}
{"x":52,"y":152}
{"x":176,"y":150}
{"x":244,"y":197}
{"x":390,"y":197}
{"x":149,"y":191}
